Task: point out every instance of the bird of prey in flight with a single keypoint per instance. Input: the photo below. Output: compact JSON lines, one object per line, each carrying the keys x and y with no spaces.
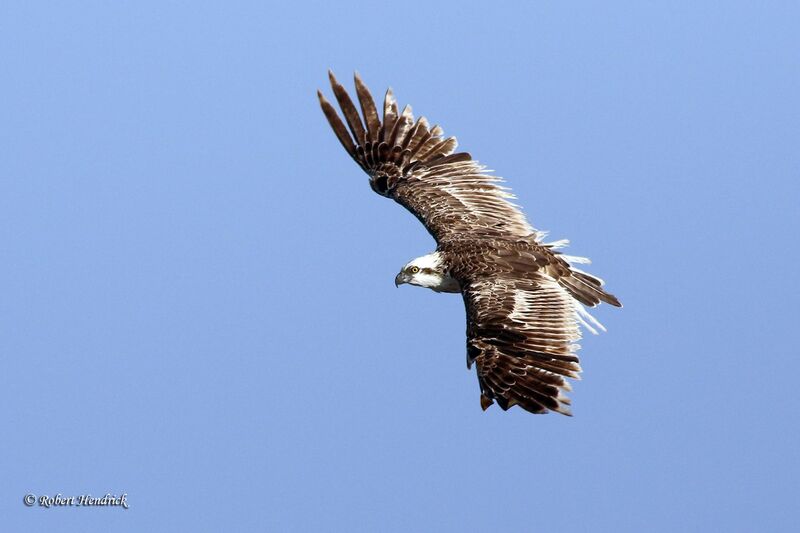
{"x":524,"y":298}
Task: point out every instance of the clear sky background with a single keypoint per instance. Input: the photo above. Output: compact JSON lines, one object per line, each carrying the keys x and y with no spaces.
{"x":198,"y":305}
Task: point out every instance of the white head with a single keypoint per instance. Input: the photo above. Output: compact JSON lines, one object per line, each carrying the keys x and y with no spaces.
{"x":427,"y":271}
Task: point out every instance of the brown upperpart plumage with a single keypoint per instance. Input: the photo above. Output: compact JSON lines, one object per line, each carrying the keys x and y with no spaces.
{"x":524,"y":298}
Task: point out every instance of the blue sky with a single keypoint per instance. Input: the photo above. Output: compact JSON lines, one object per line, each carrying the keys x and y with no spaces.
{"x":198,"y":305}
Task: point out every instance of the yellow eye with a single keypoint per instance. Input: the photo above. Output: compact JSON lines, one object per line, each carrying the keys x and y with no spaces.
{"x":414,"y":269}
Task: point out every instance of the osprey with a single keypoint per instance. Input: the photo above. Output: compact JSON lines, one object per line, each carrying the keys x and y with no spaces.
{"x":524,"y":299}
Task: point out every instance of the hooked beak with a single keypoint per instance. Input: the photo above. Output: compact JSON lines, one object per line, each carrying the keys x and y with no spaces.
{"x":400,"y":279}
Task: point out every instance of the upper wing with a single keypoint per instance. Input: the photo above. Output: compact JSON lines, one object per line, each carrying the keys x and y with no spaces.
{"x":521,"y":333}
{"x":416,"y":166}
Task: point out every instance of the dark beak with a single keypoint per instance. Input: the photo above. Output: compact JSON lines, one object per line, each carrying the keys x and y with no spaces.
{"x":400,"y":279}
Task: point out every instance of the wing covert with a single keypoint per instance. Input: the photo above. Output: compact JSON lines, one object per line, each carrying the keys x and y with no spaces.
{"x":521,"y":334}
{"x":414,"y":164}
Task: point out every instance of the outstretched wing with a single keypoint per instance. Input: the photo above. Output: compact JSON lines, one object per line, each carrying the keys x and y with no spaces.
{"x":414,"y":164}
{"x":521,"y":334}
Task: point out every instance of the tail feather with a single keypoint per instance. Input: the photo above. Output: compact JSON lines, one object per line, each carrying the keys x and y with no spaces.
{"x":587,"y":289}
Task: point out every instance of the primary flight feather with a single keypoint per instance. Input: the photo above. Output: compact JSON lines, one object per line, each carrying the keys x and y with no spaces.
{"x":524,"y":299}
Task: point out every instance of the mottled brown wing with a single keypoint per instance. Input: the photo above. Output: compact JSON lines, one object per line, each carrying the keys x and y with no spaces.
{"x":415,"y":165}
{"x":521,"y":335}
